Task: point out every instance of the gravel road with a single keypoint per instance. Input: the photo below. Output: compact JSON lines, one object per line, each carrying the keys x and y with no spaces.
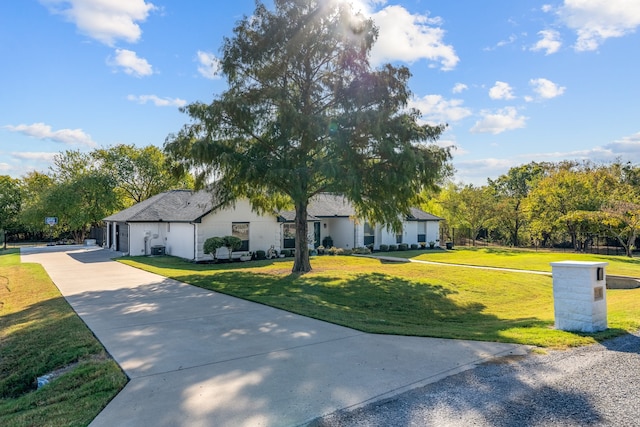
{"x":598,"y":385}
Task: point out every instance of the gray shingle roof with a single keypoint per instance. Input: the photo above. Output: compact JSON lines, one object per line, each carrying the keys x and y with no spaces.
{"x":174,"y":206}
{"x":420,"y":215}
{"x":187,"y":206}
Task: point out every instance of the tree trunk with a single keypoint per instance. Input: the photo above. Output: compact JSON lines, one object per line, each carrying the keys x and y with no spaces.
{"x":302,"y":264}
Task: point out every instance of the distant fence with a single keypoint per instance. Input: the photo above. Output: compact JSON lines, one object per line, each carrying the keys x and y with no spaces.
{"x":593,"y":244}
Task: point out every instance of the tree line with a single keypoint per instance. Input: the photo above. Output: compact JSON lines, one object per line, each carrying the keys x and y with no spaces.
{"x":80,"y":189}
{"x":539,"y":204}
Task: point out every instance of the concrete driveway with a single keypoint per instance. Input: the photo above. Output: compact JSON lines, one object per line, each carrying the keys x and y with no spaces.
{"x":200,"y":358}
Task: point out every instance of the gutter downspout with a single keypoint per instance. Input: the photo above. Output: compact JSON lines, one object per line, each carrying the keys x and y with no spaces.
{"x":195,"y":242}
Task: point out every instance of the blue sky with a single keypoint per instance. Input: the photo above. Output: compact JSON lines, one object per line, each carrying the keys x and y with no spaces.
{"x":516,"y":81}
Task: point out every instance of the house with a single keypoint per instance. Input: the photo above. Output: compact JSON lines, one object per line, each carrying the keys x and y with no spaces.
{"x":178,"y":222}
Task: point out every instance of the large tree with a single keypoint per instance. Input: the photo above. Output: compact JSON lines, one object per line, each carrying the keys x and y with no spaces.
{"x":10,"y":203}
{"x":139,"y":172}
{"x":81,"y":193}
{"x":304,"y":113}
{"x":511,"y":191}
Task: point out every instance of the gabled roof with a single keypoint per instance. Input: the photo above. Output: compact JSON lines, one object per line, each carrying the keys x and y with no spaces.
{"x":420,"y":215}
{"x":327,"y":205}
{"x":187,"y":206}
{"x":174,"y":206}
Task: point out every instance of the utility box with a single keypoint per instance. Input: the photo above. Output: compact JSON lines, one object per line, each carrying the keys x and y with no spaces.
{"x":580,"y":295}
{"x":157,"y":250}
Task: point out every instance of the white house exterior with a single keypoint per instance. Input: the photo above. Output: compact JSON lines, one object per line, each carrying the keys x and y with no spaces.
{"x":178,"y":222}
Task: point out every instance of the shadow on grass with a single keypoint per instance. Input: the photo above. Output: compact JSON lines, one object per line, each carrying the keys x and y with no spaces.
{"x":40,"y":339}
{"x":371,"y":302}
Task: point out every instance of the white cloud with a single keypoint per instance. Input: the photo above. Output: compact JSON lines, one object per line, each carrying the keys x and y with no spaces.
{"x":209,"y":65}
{"x":436,"y":109}
{"x":65,"y":136}
{"x":501,"y":90}
{"x":597,"y":20}
{"x":459,"y":88}
{"x":104,"y":20}
{"x":549,"y":42}
{"x":545,"y":89}
{"x":129,"y":61}
{"x":410,"y":37}
{"x":40,"y":156}
{"x":157,"y":101}
{"x":477,"y":171}
{"x":500,"y":121}
{"x":628,"y":147}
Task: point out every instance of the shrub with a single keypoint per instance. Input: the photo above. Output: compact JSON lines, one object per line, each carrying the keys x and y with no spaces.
{"x":332,"y":250}
{"x":393,"y":248}
{"x":261,"y":255}
{"x":423,"y":245}
{"x":286,"y":252}
{"x":211,"y":245}
{"x":320,"y":250}
{"x":414,"y":246}
{"x":370,"y":247}
{"x":327,"y":242}
{"x":384,"y":248}
{"x":361,"y":251}
{"x":403,"y":247}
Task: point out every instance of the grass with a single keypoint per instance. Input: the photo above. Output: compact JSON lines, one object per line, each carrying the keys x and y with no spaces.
{"x":404,"y":299}
{"x":39,"y":334}
{"x":520,"y":259}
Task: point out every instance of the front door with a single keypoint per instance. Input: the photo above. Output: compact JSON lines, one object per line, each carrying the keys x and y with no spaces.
{"x":316,"y":234}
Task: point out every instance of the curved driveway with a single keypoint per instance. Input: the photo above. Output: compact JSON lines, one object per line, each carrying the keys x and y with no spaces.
{"x":200,"y":358}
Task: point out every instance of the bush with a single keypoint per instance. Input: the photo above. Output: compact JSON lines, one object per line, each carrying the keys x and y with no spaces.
{"x":327,"y":242}
{"x":261,"y":255}
{"x":370,"y":247}
{"x":414,"y":246}
{"x":423,"y":245}
{"x":286,"y":252}
{"x":332,"y":250}
{"x":362,"y":251}
{"x":212,"y":244}
{"x":403,"y":247}
{"x":320,"y":250}
{"x":384,"y":248}
{"x":344,"y":252}
{"x":393,"y":248}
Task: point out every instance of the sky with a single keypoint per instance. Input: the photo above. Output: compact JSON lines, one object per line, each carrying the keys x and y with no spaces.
{"x":515,"y":81}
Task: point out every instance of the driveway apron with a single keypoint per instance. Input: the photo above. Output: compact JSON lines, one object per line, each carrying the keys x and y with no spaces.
{"x":201,"y":358}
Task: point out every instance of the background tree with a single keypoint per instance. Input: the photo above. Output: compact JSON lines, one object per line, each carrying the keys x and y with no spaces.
{"x":304,"y":113}
{"x":35,"y":186}
{"x":10,"y":203}
{"x":565,"y":200}
{"x":81,"y":193}
{"x":139,"y":172}
{"x":476,"y":208}
{"x":511,"y":191}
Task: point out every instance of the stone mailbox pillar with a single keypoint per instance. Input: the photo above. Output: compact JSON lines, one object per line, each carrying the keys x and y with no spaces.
{"x":580,"y":295}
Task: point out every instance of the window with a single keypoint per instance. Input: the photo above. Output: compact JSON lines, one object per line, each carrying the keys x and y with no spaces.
{"x":399,"y":238}
{"x":369,"y":234}
{"x":422,"y":232}
{"x":289,"y":235}
{"x":241,"y":231}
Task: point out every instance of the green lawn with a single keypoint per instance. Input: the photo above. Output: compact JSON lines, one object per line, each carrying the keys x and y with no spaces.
{"x":519,"y":259}
{"x":405,"y":299}
{"x":39,"y":334}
